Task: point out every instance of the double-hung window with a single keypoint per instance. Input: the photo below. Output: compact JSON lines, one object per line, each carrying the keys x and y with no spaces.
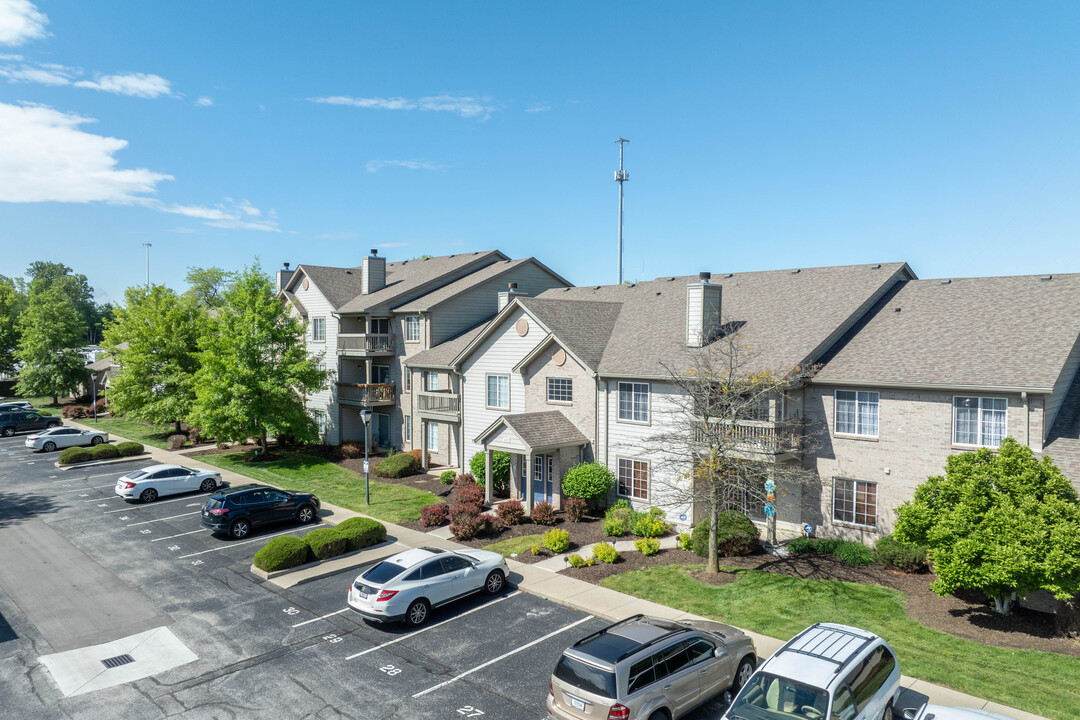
{"x":320,"y":421}
{"x":498,"y":392}
{"x":406,"y":379}
{"x":979,"y":421}
{"x":634,"y":479}
{"x":855,"y":502}
{"x":634,"y":402}
{"x":431,"y":380}
{"x":856,"y":413}
{"x":433,"y":437}
{"x":318,"y":329}
{"x":412,"y":328}
{"x":408,"y":428}
{"x":560,"y":390}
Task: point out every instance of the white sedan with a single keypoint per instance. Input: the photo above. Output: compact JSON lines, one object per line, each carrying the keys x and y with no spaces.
{"x":408,"y":585}
{"x":150,"y":483}
{"x":63,"y":437}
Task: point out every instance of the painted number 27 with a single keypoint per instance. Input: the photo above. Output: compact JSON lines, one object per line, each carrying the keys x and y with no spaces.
{"x":470,"y":711}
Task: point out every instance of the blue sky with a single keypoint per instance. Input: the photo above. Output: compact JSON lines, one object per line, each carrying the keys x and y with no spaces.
{"x":763,"y":135}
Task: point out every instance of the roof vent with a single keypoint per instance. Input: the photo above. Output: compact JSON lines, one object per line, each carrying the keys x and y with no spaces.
{"x":704,"y":276}
{"x":730,"y":275}
{"x":946,"y":282}
{"x":597,"y":287}
{"x":670,"y":279}
{"x":451,"y":256}
{"x":348,"y":272}
{"x":1047,"y":277}
{"x":896,"y":309}
{"x":796,"y":271}
{"x":632,"y":285}
{"x":876,"y":266}
{"x":657,"y":294}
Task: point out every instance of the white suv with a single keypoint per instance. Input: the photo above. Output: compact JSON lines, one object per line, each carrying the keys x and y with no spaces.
{"x":826,"y":671}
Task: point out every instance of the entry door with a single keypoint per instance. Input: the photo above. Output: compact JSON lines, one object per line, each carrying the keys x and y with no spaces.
{"x":542,"y":470}
{"x":380,"y":373}
{"x":380,"y":429}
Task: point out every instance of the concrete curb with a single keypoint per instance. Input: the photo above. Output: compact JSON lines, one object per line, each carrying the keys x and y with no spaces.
{"x":307,"y":567}
{"x":96,"y":463}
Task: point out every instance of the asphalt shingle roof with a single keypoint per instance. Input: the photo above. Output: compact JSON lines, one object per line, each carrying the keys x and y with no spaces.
{"x":544,"y":429}
{"x":1009,"y":332}
{"x":431,"y":299}
{"x":584,"y":327}
{"x":442,"y":354}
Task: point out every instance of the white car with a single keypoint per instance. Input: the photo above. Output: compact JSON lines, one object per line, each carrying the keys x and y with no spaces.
{"x":150,"y":483}
{"x":939,"y":712}
{"x":16,"y":405}
{"x":64,"y":437}
{"x":405,"y":587}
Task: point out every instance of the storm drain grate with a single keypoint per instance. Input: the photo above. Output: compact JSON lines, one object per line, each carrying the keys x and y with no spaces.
{"x":117,"y":661}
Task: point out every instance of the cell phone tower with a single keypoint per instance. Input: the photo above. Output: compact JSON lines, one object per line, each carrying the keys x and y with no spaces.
{"x":621,"y":176}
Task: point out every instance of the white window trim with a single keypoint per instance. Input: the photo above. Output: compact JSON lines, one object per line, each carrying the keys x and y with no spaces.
{"x":432,"y":429}
{"x":854,"y":488}
{"x":857,"y":434}
{"x":648,"y":478}
{"x":547,"y":391}
{"x":648,"y":403}
{"x":408,"y":428}
{"x":980,"y":398}
{"x":316,"y":322}
{"x":413,"y":320}
{"x":487,"y":391}
{"x":428,"y":374}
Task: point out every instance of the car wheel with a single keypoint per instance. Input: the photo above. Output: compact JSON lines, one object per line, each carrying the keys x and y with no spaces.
{"x":96,"y":440}
{"x":52,"y":425}
{"x":49,"y":447}
{"x":417,"y":613}
{"x":149,"y":495}
{"x":659,"y":715}
{"x":240,"y":529}
{"x":888,"y":714}
{"x":207,"y":485}
{"x":494,"y":582}
{"x":305,"y":514}
{"x":7,"y":432}
{"x":746,"y":669}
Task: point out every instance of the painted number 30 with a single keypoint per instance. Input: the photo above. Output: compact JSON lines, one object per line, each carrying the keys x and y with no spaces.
{"x":390,"y":669}
{"x":470,"y":711}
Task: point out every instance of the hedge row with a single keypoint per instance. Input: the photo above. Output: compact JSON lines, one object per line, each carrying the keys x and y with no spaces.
{"x":104,"y":451}
{"x":890,"y":552}
{"x":286,"y":551}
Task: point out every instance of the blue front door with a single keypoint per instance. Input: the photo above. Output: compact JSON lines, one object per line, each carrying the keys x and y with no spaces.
{"x":542,"y":470}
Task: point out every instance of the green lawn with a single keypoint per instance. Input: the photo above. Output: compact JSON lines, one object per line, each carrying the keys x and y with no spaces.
{"x":137,"y":430}
{"x":1043,"y":683}
{"x":333,"y":484}
{"x":516,"y":545}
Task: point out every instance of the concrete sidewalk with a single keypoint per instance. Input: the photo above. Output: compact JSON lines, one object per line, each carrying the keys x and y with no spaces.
{"x":547,"y":583}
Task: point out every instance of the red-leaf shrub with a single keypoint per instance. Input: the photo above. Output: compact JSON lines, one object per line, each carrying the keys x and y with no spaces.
{"x":435,"y":514}
{"x":466,"y":525}
{"x":510,"y":512}
{"x":543,"y":513}
{"x":74,"y":411}
{"x":352,"y":449}
{"x":575,"y":508}
{"x":469,"y":494}
{"x":492,"y":523}
{"x":417,"y":455}
{"x":468,"y":478}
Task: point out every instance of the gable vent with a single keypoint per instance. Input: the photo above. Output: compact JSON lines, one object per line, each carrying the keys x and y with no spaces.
{"x":117,"y":661}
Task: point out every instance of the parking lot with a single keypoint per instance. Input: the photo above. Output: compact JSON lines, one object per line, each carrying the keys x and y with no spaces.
{"x":262,"y":651}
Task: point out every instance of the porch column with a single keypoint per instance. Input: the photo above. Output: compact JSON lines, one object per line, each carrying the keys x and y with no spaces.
{"x":367,"y":371}
{"x":488,"y":483}
{"x":423,"y":444}
{"x":529,"y":483}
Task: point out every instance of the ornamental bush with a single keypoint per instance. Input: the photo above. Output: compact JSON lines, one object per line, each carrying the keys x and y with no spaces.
{"x":361,"y":532}
{"x":617,"y":519}
{"x":605,"y":552}
{"x":577,"y":561}
{"x":736,"y":534}
{"x":352,"y":449}
{"x":500,"y":470}
{"x":177,"y":440}
{"x":850,"y":552}
{"x":684,"y":541}
{"x":589,"y":481}
{"x":648,"y":526}
{"x":466,"y":523}
{"x":466,"y":495}
{"x":326,"y":543}
{"x":575,"y":508}
{"x":543,"y":513}
{"x":433,"y":515}
{"x":557,"y":541}
{"x":397,"y":466}
{"x":446,"y":477}
{"x":104,"y":451}
{"x":129,"y":448}
{"x":282,"y":552}
{"x":72,"y":455}
{"x":855,"y":553}
{"x":537,"y":549}
{"x":901,"y":556}
{"x":510,"y":512}
{"x":647,"y":546}
{"x":418,"y":456}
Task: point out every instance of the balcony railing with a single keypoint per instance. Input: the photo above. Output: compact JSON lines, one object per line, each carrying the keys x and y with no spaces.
{"x":436,"y":402}
{"x":365,"y":343}
{"x":759,"y":436}
{"x":367,"y":394}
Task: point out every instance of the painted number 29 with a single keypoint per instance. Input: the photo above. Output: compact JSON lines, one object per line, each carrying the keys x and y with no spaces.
{"x":390,"y":669}
{"x":470,"y":711}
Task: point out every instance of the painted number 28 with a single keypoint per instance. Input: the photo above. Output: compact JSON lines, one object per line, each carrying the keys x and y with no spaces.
{"x":390,"y":669}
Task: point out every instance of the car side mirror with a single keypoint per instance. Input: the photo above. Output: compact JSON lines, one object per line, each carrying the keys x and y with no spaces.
{"x":718,"y":652}
{"x":910,"y":713}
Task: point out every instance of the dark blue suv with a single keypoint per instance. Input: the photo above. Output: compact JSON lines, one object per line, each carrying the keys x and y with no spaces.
{"x":234,"y":511}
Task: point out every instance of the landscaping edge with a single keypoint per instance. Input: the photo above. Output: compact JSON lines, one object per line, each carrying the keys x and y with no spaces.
{"x":328,"y":571}
{"x":110,"y":461}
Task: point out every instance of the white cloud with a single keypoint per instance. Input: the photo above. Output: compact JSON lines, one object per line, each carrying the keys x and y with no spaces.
{"x":537,"y":107}
{"x":469,"y":107}
{"x":394,"y":244}
{"x":230,"y":216}
{"x":46,"y":157}
{"x":136,"y":84}
{"x":21,"y":21}
{"x":42,"y":75}
{"x":376,"y":165}
{"x":204,"y":101}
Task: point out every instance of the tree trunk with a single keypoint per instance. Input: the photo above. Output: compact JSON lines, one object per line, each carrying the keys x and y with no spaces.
{"x":262,"y":443}
{"x":176,"y":425}
{"x":55,"y":400}
{"x":713,"y":565}
{"x":1004,"y":603}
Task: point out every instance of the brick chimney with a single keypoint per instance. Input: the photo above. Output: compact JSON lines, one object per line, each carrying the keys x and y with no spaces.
{"x":373,"y":273}
{"x":702,"y":311}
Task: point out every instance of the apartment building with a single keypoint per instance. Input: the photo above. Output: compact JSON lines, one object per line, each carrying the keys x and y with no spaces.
{"x":365,"y":322}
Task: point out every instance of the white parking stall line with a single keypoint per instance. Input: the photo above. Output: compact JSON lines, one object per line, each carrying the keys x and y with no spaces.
{"x":245,"y":542}
{"x":429,"y":627}
{"x":321,"y":618}
{"x":93,"y":487}
{"x":526,"y":646}
{"x":171,"y":517}
{"x":170,"y":537}
{"x":153,"y":504}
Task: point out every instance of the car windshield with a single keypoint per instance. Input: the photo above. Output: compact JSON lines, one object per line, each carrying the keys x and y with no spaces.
{"x":768,"y":697}
{"x":384,"y":572}
{"x":135,"y":474}
{"x":587,"y":677}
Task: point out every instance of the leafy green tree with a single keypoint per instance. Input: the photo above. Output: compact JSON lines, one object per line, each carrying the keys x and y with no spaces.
{"x":208,"y":285}
{"x":45,"y":275}
{"x":156,"y":380}
{"x":255,"y":369}
{"x":50,"y":334}
{"x":500,"y":470}
{"x":1003,"y":523}
{"x":12,"y":302}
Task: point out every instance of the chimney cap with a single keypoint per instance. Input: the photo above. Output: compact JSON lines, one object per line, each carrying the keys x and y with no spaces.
{"x":704,"y":276}
{"x":374,"y":252}
{"x":286,"y":266}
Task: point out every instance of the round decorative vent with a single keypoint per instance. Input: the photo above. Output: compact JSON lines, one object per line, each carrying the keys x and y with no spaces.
{"x":304,"y":284}
{"x":522,"y":327}
{"x":559,"y":358}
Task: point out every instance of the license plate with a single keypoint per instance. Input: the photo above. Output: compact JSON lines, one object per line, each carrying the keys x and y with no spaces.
{"x":578,"y":704}
{"x":205,"y":513}
{"x":363,"y":596}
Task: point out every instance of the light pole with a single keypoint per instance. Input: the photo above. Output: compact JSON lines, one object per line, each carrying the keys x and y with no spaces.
{"x":147,"y":246}
{"x":93,"y":386}
{"x":365,"y":415}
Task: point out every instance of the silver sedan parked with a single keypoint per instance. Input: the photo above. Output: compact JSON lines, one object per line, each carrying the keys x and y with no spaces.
{"x":58,"y":438}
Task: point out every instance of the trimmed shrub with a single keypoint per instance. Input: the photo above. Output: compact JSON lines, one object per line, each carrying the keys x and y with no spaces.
{"x":194,"y":434}
{"x":850,"y":552}
{"x":492,"y":523}
{"x":605,"y":552}
{"x":684,"y":541}
{"x":806,"y":545}
{"x":578,"y":561}
{"x":543,"y":513}
{"x":648,"y":526}
{"x":510,"y":512}
{"x":360,"y":532}
{"x":74,"y":455}
{"x":418,"y":457}
{"x":647,"y":546}
{"x":500,"y":470}
{"x":177,"y":441}
{"x":104,"y":452}
{"x":575,"y":508}
{"x":900,"y":556}
{"x":326,"y":543}
{"x":446,"y":477}
{"x":284,"y":551}
{"x":73,"y":411}
{"x":617,"y":519}
{"x":466,"y":525}
{"x":537,"y":549}
{"x":855,"y":553}
{"x":352,"y":449}
{"x":466,"y":494}
{"x":735,"y":535}
{"x":589,"y":481}
{"x":557,"y":541}
{"x":433,"y":515}
{"x":129,"y":448}
{"x":397,"y":466}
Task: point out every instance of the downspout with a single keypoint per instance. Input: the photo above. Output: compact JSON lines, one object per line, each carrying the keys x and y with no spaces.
{"x":1027,"y":418}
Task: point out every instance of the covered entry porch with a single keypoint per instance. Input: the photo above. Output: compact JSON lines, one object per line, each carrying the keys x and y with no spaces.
{"x":542,"y":447}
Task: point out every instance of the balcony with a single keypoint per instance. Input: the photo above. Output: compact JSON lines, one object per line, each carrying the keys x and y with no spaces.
{"x":762,"y":437}
{"x":375,"y":394}
{"x":439,"y":406}
{"x":365,"y":344}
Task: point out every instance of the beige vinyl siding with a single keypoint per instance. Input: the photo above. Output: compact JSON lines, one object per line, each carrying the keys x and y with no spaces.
{"x":317,"y":306}
{"x":1061,"y":387}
